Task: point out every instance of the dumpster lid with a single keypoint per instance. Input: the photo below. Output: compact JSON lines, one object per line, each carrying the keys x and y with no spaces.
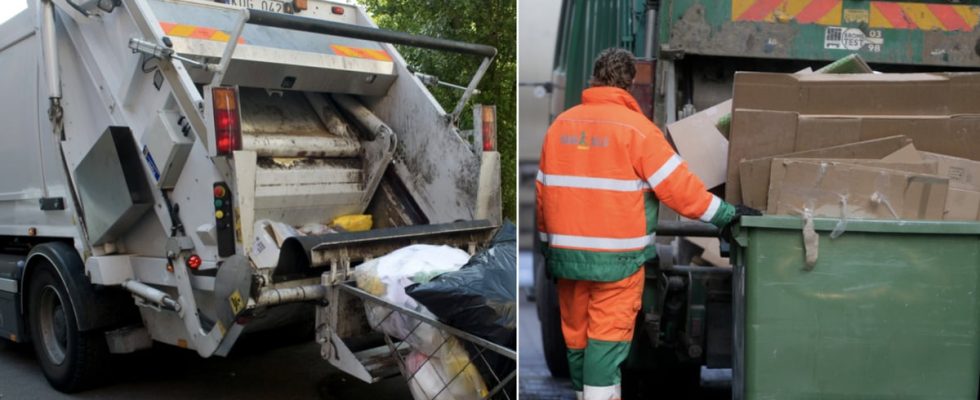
{"x":866,"y":225}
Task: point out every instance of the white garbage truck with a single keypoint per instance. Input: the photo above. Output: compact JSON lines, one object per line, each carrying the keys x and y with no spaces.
{"x":143,"y":141}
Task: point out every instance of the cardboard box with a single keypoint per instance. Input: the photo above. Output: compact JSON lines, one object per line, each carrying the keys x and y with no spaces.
{"x":838,"y":189}
{"x":786,"y":113}
{"x":754,"y":174}
{"x":712,"y":251}
{"x":962,"y":205}
{"x":963,"y":199}
{"x":906,"y":154}
{"x":962,"y":173}
{"x":702,"y":145}
{"x":859,"y":94}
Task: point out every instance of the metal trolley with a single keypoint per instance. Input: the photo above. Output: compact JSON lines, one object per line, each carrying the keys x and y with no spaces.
{"x":354,"y":340}
{"x":478,"y":348}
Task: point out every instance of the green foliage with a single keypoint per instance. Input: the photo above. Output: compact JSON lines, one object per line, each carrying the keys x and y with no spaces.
{"x":489,"y":22}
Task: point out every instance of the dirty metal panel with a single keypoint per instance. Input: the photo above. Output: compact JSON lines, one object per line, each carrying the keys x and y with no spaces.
{"x":358,"y":66}
{"x":285,"y":124}
{"x":922,"y":32}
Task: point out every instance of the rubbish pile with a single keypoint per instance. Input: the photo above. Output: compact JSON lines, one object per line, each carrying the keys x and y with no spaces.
{"x":846,"y":146}
{"x":438,"y":366}
{"x":476,"y":295}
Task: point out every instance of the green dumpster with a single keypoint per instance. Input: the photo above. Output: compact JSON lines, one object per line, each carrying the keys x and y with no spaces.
{"x":889,"y":310}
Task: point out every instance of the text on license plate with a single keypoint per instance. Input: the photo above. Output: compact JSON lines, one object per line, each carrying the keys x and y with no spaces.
{"x":265,"y":5}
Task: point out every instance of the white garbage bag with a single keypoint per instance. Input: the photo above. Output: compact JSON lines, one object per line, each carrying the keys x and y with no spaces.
{"x":387,"y":277}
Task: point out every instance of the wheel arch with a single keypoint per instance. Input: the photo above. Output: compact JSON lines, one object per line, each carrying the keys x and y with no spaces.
{"x":94,"y":307}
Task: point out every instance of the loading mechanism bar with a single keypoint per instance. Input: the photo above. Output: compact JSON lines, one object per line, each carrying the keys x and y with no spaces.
{"x":292,"y":22}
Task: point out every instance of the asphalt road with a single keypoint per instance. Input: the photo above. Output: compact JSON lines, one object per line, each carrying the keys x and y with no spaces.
{"x":535,"y":381}
{"x":272,"y":365}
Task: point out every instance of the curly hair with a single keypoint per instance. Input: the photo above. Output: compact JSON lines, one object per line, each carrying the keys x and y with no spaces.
{"x":614,"y":67}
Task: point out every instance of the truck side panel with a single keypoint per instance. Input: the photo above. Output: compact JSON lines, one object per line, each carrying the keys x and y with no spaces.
{"x":28,"y":155}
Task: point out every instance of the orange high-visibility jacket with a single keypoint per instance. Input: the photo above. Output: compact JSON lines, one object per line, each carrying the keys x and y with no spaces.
{"x":604,"y":168}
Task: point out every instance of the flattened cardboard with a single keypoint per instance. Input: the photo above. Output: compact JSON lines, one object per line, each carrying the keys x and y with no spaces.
{"x":756,"y":133}
{"x":907,"y":154}
{"x":786,"y":113}
{"x":754,"y":174}
{"x":962,"y":205}
{"x":842,"y":190}
{"x":711,"y":253}
{"x":963,"y":199}
{"x":702,"y":145}
{"x":962,"y":173}
{"x":859,"y":94}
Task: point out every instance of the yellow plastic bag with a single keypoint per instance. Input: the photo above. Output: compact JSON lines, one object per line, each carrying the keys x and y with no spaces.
{"x":353,"y":223}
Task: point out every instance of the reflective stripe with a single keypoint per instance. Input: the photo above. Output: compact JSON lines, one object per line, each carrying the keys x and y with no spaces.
{"x":590,"y":242}
{"x":582,"y":182}
{"x":665,"y":170}
{"x":712,"y":209}
{"x":601,"y":392}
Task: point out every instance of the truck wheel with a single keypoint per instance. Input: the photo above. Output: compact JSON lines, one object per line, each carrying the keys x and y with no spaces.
{"x":71,"y":360}
{"x":552,"y":340}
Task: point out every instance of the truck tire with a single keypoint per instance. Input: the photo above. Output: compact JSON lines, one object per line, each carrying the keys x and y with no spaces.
{"x":70,"y":359}
{"x":552,"y":340}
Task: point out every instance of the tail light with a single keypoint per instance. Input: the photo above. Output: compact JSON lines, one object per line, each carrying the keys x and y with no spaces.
{"x":227,"y":120}
{"x":338,"y":10}
{"x":489,"y":117}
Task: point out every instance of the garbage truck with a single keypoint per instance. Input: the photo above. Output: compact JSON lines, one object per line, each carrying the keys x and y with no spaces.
{"x":149,"y":146}
{"x":688,"y":52}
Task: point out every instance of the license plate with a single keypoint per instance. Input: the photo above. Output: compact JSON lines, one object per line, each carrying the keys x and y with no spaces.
{"x":264,"y":5}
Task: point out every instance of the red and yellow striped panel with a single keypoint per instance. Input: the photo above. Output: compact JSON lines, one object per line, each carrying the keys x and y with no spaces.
{"x":358,"y":52}
{"x":820,"y":12}
{"x":196,"y":32}
{"x":923,"y":16}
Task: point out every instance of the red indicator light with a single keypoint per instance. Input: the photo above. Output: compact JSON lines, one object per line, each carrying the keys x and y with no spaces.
{"x":193,"y":262}
{"x":219,"y":191}
{"x":337,"y":10}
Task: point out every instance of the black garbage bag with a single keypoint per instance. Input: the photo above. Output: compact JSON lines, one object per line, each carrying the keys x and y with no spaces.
{"x":481,"y":299}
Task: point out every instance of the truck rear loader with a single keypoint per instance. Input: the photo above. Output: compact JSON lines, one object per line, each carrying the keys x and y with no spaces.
{"x":143,"y":140}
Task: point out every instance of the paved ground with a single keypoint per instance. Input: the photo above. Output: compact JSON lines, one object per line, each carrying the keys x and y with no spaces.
{"x":264,"y":366}
{"x":535,"y":379}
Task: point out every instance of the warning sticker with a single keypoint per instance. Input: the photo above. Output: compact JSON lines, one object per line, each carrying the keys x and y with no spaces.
{"x":840,"y":38}
{"x":235,"y":300}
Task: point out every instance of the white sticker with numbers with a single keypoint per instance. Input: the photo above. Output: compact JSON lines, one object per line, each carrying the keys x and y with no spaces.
{"x":840,"y":38}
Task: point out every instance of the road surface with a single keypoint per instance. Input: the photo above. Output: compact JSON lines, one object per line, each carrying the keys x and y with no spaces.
{"x":271,"y":365}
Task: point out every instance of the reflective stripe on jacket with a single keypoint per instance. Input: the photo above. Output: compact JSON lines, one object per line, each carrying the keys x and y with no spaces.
{"x":604,"y":168}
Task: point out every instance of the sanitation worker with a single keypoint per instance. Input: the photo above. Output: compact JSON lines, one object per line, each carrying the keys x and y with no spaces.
{"x":604,"y":169}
